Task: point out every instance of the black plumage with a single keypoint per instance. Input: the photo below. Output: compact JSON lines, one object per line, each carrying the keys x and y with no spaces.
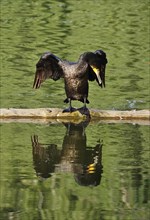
{"x":90,"y":66}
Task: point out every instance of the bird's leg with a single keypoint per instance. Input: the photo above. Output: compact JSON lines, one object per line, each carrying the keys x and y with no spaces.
{"x":84,"y":110}
{"x":70,"y":109}
{"x":84,"y":105}
{"x":70,"y":106}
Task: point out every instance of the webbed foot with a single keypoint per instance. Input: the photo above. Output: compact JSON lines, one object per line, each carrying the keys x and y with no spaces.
{"x":84,"y":111}
{"x":70,"y":109}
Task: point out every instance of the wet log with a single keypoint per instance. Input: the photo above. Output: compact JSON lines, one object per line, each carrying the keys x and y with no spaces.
{"x":56,"y":113}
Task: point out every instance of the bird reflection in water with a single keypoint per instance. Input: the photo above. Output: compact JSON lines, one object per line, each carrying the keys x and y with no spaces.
{"x":76,"y":157}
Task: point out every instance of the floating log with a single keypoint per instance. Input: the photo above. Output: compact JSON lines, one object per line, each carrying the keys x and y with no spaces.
{"x":56,"y":113}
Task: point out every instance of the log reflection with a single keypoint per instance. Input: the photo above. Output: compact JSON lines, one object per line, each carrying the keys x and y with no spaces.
{"x":75,"y":156}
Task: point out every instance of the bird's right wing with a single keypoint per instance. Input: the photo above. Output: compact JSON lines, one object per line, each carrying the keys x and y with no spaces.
{"x":47,"y":67}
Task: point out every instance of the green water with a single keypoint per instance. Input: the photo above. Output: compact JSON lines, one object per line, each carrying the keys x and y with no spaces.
{"x":41,"y":165}
{"x":37,"y":181}
{"x":67,"y":29}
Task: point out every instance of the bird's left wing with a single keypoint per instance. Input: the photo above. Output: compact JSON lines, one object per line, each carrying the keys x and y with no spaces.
{"x":47,"y":67}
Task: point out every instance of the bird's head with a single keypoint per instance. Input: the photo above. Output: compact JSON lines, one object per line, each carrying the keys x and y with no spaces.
{"x":97,"y":62}
{"x":102,"y":56}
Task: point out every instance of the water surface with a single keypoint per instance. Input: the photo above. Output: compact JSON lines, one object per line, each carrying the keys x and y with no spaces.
{"x":67,"y":29}
{"x":66,"y":171}
{"x":74,"y":171}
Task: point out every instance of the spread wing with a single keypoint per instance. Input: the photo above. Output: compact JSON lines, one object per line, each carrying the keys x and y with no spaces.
{"x":97,"y":67}
{"x":47,"y":67}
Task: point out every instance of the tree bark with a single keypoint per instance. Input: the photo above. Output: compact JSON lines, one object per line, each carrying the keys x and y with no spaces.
{"x":55,"y":113}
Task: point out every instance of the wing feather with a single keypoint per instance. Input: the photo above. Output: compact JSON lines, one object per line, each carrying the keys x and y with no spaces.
{"x":47,"y":67}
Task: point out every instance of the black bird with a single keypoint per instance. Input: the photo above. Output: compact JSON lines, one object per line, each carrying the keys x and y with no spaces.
{"x":90,"y":66}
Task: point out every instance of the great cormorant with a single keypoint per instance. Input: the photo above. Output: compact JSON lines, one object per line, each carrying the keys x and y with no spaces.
{"x":90,"y":66}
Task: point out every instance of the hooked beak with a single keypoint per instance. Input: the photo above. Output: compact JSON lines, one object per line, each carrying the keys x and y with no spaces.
{"x":98,"y":73}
